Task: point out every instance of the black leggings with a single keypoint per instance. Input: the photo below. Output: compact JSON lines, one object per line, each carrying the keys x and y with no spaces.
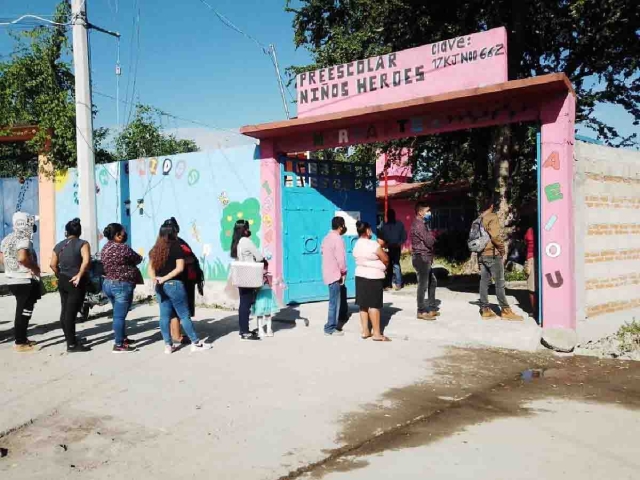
{"x":71,"y":299}
{"x":27,"y":294}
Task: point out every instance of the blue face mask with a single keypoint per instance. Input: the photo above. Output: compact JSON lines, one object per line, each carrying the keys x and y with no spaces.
{"x":427,"y":217}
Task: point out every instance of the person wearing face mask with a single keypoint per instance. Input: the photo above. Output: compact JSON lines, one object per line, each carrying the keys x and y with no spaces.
{"x":422,"y":251}
{"x":334,"y":272}
{"x":121,"y":273}
{"x":244,"y":250}
{"x":22,"y":275}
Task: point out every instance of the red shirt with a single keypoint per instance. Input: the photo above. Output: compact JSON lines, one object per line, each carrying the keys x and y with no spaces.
{"x":529,"y":239}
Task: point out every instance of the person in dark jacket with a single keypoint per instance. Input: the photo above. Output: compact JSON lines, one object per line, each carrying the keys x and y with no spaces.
{"x":422,"y":252}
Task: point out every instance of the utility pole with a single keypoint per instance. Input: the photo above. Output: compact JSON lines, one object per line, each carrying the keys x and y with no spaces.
{"x":274,"y":59}
{"x":84,"y":125}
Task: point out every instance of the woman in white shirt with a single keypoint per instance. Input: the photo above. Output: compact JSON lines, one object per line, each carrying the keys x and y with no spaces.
{"x":244,"y":250}
{"x":371,"y":267}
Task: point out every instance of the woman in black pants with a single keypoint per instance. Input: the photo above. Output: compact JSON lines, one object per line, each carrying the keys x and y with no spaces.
{"x":70,"y":262}
{"x":244,"y":250}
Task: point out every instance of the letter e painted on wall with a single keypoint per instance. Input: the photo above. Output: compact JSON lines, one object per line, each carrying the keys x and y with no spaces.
{"x":553,"y":192}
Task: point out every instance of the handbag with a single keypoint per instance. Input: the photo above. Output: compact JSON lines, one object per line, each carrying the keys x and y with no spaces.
{"x":247,"y":274}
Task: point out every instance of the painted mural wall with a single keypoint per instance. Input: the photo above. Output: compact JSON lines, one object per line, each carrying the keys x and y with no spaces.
{"x":207,"y":192}
{"x":109,"y":192}
{"x":18,"y":195}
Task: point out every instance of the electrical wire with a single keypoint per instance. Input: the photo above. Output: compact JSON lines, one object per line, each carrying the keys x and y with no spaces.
{"x":36,"y":17}
{"x":175,"y":117}
{"x":232,"y":26}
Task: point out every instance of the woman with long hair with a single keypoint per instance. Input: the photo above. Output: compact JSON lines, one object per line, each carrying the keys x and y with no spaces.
{"x":121,"y":274}
{"x":371,"y":267}
{"x":193,"y":278}
{"x":244,"y":250}
{"x":70,"y":262}
{"x":167,"y":271}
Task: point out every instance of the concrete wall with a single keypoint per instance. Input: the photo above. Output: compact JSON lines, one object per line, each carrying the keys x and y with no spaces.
{"x":207,"y":192}
{"x":607,"y":221}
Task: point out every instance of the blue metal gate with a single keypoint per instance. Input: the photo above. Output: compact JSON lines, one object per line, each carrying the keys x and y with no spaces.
{"x":313,"y":192}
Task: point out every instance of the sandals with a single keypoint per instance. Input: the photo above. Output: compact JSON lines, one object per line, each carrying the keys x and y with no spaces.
{"x":364,"y":337}
{"x":382,"y":339}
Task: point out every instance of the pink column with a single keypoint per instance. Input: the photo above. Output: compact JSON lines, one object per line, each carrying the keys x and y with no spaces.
{"x":557,"y":222}
{"x":270,"y":199}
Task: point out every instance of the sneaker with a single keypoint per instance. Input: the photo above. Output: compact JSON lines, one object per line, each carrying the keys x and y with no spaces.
{"x":124,"y":348}
{"x":77,"y":348}
{"x":129,"y":341}
{"x":335,"y":333}
{"x":508,"y":314}
{"x":486,"y":313}
{"x":200,"y":347}
{"x":169,"y":349}
{"x":429,"y":316}
{"x":249,"y":336}
{"x":25,"y":348}
{"x":185,"y":340}
{"x":270,"y":333}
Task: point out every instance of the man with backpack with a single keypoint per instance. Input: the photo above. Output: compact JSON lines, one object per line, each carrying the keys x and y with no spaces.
{"x":487,"y":241}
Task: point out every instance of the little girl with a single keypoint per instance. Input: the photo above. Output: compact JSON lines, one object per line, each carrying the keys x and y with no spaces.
{"x":265,"y":306}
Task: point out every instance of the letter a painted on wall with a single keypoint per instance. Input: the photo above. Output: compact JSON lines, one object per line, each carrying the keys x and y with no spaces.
{"x":552,"y":161}
{"x":553,"y":192}
{"x":557,"y":282}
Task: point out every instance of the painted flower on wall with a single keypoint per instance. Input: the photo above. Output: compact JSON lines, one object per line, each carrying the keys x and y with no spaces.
{"x":248,"y":210}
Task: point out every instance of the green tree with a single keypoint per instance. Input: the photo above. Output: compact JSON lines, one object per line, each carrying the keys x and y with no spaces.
{"x":595,"y":42}
{"x":143,"y":137}
{"x":37,"y":88}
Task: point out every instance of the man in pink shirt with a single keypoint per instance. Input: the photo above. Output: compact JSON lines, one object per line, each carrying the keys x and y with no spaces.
{"x":334,"y":272}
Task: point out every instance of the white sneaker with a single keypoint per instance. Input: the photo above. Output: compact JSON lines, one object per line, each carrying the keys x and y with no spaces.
{"x":169,"y":349}
{"x":200,"y":347}
{"x":270,"y":333}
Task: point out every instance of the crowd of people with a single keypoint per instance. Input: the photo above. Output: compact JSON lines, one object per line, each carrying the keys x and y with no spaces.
{"x":176,"y":274}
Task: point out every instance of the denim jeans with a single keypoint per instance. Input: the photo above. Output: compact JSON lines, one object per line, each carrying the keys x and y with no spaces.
{"x":492,"y":267}
{"x":172,"y":297}
{"x":120,"y":294}
{"x":334,"y":307}
{"x":394,"y":272}
{"x":427,"y":282}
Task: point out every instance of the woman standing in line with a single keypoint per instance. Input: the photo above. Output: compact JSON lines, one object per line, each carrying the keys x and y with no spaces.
{"x":193,"y":277}
{"x":244,"y":250}
{"x":70,"y":263}
{"x":371,"y":267}
{"x":167,"y":269}
{"x":22,"y":275}
{"x":121,"y":277}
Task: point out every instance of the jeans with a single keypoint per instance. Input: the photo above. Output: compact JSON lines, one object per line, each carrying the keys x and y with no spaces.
{"x":247,"y":297}
{"x":394,"y":272}
{"x":172,"y":297}
{"x":334,"y":307}
{"x":427,"y":282}
{"x":27,"y":294}
{"x":492,"y":267}
{"x":71,"y":300}
{"x":120,"y":294}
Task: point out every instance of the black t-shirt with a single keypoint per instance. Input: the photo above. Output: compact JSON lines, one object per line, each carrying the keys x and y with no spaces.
{"x":69,"y":256}
{"x":175,"y":253}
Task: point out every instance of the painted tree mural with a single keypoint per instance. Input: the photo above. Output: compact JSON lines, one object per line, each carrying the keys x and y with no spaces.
{"x":248,"y":210}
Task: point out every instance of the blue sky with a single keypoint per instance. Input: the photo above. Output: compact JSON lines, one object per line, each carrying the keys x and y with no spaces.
{"x":193,"y":66}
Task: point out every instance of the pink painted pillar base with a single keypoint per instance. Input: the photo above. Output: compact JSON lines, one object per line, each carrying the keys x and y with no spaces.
{"x":556,"y":218}
{"x":270,"y":200}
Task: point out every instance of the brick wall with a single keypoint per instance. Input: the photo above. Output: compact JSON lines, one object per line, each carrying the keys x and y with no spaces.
{"x":607,"y":216}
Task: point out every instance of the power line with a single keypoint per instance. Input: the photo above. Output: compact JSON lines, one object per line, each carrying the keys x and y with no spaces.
{"x":170,"y":115}
{"x":35,"y":17}
{"x":231,"y":25}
